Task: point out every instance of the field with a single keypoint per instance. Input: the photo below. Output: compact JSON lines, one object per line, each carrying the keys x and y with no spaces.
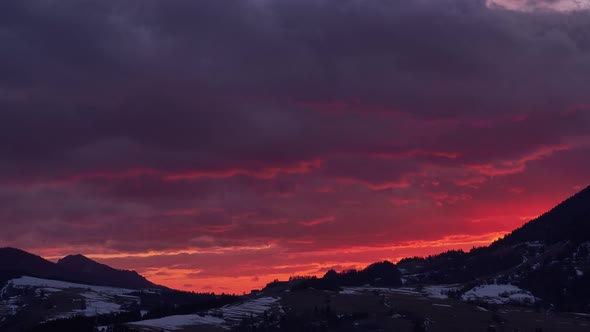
{"x":374,"y":309}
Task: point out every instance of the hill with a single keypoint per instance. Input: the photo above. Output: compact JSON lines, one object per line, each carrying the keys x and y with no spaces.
{"x":74,"y":268}
{"x":548,"y":256}
{"x":15,"y":262}
{"x":79,"y":294}
{"x":568,"y":221}
{"x":94,"y":273}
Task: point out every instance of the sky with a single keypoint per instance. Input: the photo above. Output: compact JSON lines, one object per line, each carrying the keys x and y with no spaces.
{"x":215,"y":146}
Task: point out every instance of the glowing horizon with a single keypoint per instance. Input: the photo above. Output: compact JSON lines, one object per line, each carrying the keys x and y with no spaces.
{"x":177,"y":278}
{"x":214,"y":148}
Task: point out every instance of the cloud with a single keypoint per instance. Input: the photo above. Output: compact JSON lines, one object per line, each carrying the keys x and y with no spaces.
{"x":130,"y":128}
{"x":317,"y":221}
{"x":536,"y":5}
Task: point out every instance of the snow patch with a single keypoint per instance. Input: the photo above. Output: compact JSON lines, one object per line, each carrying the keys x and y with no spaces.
{"x":25,"y":281}
{"x":499,"y":294}
{"x":381,"y":290}
{"x":237,"y":312}
{"x":435,"y":292}
{"x":178,"y":322}
{"x":224,"y":317}
{"x":439,"y":291}
{"x":580,"y":314}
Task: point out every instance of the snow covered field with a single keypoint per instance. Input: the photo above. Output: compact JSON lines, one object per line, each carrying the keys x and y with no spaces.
{"x":499,"y":294}
{"x":494,"y":293}
{"x":56,"y":285}
{"x":240,"y":311}
{"x":380,"y":290}
{"x":171,"y":323}
{"x":439,"y":291}
{"x":91,"y":301}
{"x":435,"y":292}
{"x":224,"y":317}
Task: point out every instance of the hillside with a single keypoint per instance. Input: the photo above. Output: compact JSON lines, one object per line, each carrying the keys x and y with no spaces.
{"x":15,"y":262}
{"x":77,"y":294}
{"x":568,"y":221}
{"x":548,"y":256}
{"x":54,"y":305}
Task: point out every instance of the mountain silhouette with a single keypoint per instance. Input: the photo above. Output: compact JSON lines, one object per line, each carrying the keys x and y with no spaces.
{"x":568,"y":221}
{"x":15,"y":262}
{"x":74,"y":268}
{"x":96,"y":273}
{"x":549,"y":255}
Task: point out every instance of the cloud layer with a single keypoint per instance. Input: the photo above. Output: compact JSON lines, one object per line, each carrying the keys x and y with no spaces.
{"x":179,"y":138}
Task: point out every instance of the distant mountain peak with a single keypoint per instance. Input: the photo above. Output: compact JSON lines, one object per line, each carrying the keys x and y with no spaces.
{"x":96,"y":271}
{"x":18,"y":257}
{"x":74,"y":268}
{"x":76,"y":259}
{"x":76,"y":256}
{"x":12,"y":250}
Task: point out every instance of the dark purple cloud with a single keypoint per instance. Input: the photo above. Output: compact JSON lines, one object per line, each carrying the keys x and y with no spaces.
{"x":300,"y":126}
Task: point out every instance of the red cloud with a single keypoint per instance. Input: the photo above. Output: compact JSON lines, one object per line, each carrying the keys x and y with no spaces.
{"x":263,"y":173}
{"x":317,"y":221}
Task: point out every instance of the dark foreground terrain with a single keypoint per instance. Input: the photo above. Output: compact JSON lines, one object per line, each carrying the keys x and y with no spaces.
{"x":396,"y":309}
{"x":388,"y":310}
{"x":286,"y":306}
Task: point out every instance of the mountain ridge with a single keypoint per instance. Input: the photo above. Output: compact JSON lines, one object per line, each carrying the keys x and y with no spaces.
{"x":548,"y":254}
{"x":73,"y":268}
{"x":558,"y":223}
{"x":94,"y":272}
